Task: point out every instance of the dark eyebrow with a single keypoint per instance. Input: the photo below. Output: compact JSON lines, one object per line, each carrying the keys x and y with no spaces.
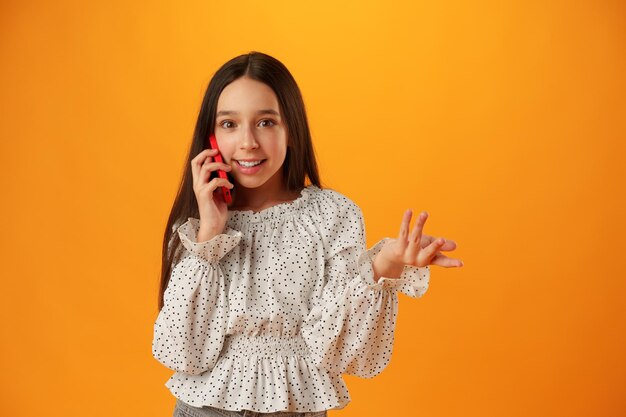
{"x":229,"y":112}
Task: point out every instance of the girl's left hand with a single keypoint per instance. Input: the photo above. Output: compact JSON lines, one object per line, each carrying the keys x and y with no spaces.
{"x":416,"y":249}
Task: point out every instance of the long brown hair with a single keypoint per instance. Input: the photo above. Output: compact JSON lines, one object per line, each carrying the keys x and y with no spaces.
{"x":299,"y":162}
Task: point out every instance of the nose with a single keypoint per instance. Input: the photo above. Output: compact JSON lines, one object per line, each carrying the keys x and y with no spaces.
{"x":248,"y":141}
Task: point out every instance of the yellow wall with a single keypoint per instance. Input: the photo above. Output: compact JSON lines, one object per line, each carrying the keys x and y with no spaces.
{"x":504,"y":120}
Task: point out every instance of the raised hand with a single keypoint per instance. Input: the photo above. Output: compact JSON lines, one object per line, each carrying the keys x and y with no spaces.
{"x":211,"y":205}
{"x":414,"y":249}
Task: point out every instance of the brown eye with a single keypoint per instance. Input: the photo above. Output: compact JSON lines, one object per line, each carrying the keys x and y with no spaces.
{"x":268,"y":120}
{"x":225,"y":121}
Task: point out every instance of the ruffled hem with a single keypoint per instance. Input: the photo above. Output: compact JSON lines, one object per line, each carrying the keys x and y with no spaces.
{"x":212,"y":250}
{"x":265,"y":382}
{"x":413,"y":281}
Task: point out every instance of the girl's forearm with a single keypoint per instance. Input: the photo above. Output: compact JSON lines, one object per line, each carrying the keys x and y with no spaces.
{"x":206,"y":235}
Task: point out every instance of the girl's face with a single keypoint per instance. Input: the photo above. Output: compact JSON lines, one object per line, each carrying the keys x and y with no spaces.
{"x":249,"y":127}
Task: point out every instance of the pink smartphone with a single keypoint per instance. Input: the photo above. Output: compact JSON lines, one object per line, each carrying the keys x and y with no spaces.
{"x":222,"y":174}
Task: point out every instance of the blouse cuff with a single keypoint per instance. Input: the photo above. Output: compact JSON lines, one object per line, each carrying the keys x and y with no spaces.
{"x":413,"y":280}
{"x":212,"y":250}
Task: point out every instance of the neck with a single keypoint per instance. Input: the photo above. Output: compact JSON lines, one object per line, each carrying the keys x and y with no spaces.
{"x":259,"y":198}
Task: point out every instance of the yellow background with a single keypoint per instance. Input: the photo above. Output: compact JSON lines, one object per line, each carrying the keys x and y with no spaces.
{"x":504,"y":120}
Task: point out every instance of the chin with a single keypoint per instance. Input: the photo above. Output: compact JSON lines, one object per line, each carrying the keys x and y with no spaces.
{"x":252,"y":183}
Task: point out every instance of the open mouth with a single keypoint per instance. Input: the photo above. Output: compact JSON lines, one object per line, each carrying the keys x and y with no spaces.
{"x":251,"y":164}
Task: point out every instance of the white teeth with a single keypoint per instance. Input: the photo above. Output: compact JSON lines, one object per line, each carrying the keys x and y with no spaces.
{"x":249,"y":164}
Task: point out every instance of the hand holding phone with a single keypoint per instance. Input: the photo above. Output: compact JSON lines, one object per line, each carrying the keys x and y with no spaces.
{"x":222,"y":174}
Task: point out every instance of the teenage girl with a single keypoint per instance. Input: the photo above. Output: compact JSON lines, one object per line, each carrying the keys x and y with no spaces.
{"x":265,"y":302}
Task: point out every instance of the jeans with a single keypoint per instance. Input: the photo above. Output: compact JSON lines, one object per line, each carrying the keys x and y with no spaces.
{"x":185,"y":410}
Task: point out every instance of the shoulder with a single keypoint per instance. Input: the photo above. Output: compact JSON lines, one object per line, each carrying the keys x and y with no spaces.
{"x":335,"y":206}
{"x":335,"y":201}
{"x":340,"y":221}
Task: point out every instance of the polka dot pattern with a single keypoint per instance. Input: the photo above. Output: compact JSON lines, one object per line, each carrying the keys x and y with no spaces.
{"x":268,"y":315}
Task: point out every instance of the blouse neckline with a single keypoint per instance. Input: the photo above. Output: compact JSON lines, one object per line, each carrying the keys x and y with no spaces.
{"x":274,"y":212}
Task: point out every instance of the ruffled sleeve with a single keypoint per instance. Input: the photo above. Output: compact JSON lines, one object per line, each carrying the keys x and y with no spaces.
{"x":350,"y":328}
{"x":413,"y":281}
{"x":190,"y":329}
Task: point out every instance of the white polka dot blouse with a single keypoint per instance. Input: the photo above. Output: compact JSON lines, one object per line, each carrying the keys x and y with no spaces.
{"x":268,"y":315}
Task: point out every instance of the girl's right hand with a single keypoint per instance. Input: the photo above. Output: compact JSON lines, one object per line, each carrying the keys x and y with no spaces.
{"x":212,"y":207}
